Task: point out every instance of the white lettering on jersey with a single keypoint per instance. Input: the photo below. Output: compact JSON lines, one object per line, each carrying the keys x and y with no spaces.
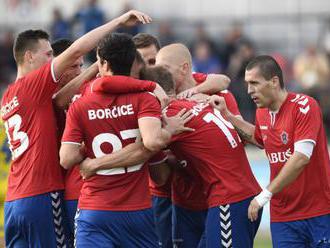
{"x":198,"y":108}
{"x":9,"y":106}
{"x":110,"y":113}
{"x":302,"y":100}
{"x":279,"y":157}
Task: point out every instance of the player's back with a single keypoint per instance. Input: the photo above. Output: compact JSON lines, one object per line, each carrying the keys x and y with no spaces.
{"x":28,"y":114}
{"x":214,"y":151}
{"x":109,"y":123}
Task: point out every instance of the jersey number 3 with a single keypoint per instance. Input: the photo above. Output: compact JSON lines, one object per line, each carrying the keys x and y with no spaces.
{"x":18,"y":140}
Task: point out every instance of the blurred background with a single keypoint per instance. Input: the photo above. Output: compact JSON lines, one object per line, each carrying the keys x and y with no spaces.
{"x":222,"y":36}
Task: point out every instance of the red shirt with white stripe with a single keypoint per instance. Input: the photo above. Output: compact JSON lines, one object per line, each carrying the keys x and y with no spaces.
{"x":106,"y":123}
{"x":299,"y":119}
{"x":214,"y":160}
{"x":29,"y":118}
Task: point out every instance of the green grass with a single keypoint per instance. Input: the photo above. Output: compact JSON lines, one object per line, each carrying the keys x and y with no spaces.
{"x":262,"y":243}
{"x":263,"y":240}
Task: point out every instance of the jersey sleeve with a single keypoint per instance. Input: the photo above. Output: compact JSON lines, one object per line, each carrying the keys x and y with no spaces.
{"x":72,"y":132}
{"x":122,"y":84}
{"x":148,"y":106}
{"x":199,"y":77}
{"x":41,"y":84}
{"x":308,"y":120}
{"x":231,"y":102}
{"x":257,"y":132}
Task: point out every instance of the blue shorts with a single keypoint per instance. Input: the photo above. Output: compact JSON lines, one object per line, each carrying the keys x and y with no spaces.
{"x":129,"y":229}
{"x":162,"y":207}
{"x":308,"y":233}
{"x":229,"y":226}
{"x":35,"y":221}
{"x":188,"y":227}
{"x":70,"y":211}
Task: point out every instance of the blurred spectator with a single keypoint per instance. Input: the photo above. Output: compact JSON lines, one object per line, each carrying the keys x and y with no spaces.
{"x":311,"y":70}
{"x":312,"y":74}
{"x":129,"y":30}
{"x":236,"y":71}
{"x":286,"y":67}
{"x":202,"y":35}
{"x":325,"y":38}
{"x":165,"y":34}
{"x":233,"y":39}
{"x":7,"y":62}
{"x":90,"y":16}
{"x":59,"y":28}
{"x":203,"y":60}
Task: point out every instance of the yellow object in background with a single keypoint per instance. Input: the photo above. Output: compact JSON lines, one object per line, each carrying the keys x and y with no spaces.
{"x":5,"y":157}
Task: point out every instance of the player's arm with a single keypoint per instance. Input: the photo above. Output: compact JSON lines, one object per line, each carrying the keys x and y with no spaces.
{"x":118,"y":84}
{"x":289,"y":173}
{"x":245,"y":129}
{"x":88,"y":41}
{"x":156,"y":138}
{"x":135,"y":153}
{"x":123,"y":84}
{"x":71,"y":154}
{"x":212,"y":85}
{"x":63,"y":97}
{"x":131,"y":154}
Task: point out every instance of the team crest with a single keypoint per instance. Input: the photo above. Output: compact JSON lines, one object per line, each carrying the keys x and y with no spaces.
{"x":284,"y":137}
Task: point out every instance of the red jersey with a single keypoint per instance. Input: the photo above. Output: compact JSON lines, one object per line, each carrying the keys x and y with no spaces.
{"x":29,"y":118}
{"x":298,"y":119}
{"x":212,"y":156}
{"x":106,"y":123}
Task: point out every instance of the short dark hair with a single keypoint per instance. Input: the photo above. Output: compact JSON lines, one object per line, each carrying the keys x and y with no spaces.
{"x":27,"y":41}
{"x":119,"y":51}
{"x":268,"y":67}
{"x":142,"y":40}
{"x":59,"y":46}
{"x":160,"y":75}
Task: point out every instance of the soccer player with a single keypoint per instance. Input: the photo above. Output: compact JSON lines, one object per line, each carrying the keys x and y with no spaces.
{"x":214,"y":156}
{"x":114,"y":204}
{"x":33,"y":203}
{"x":289,"y":126}
{"x":190,"y":207}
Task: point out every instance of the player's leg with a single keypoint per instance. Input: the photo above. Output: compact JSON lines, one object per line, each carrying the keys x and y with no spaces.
{"x":70,"y":212}
{"x":288,"y":234}
{"x":96,"y":228}
{"x":319,"y":229}
{"x":228,"y":226}
{"x":162,"y":207}
{"x":138,"y":229}
{"x":38,"y":220}
{"x":188,"y":227}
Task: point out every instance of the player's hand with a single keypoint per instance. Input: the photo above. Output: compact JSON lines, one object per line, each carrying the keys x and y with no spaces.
{"x":219,"y":103}
{"x":161,"y":96}
{"x":176,"y":123}
{"x":134,"y":17}
{"x":253,"y":210}
{"x":187,"y":93}
{"x":87,"y":168}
